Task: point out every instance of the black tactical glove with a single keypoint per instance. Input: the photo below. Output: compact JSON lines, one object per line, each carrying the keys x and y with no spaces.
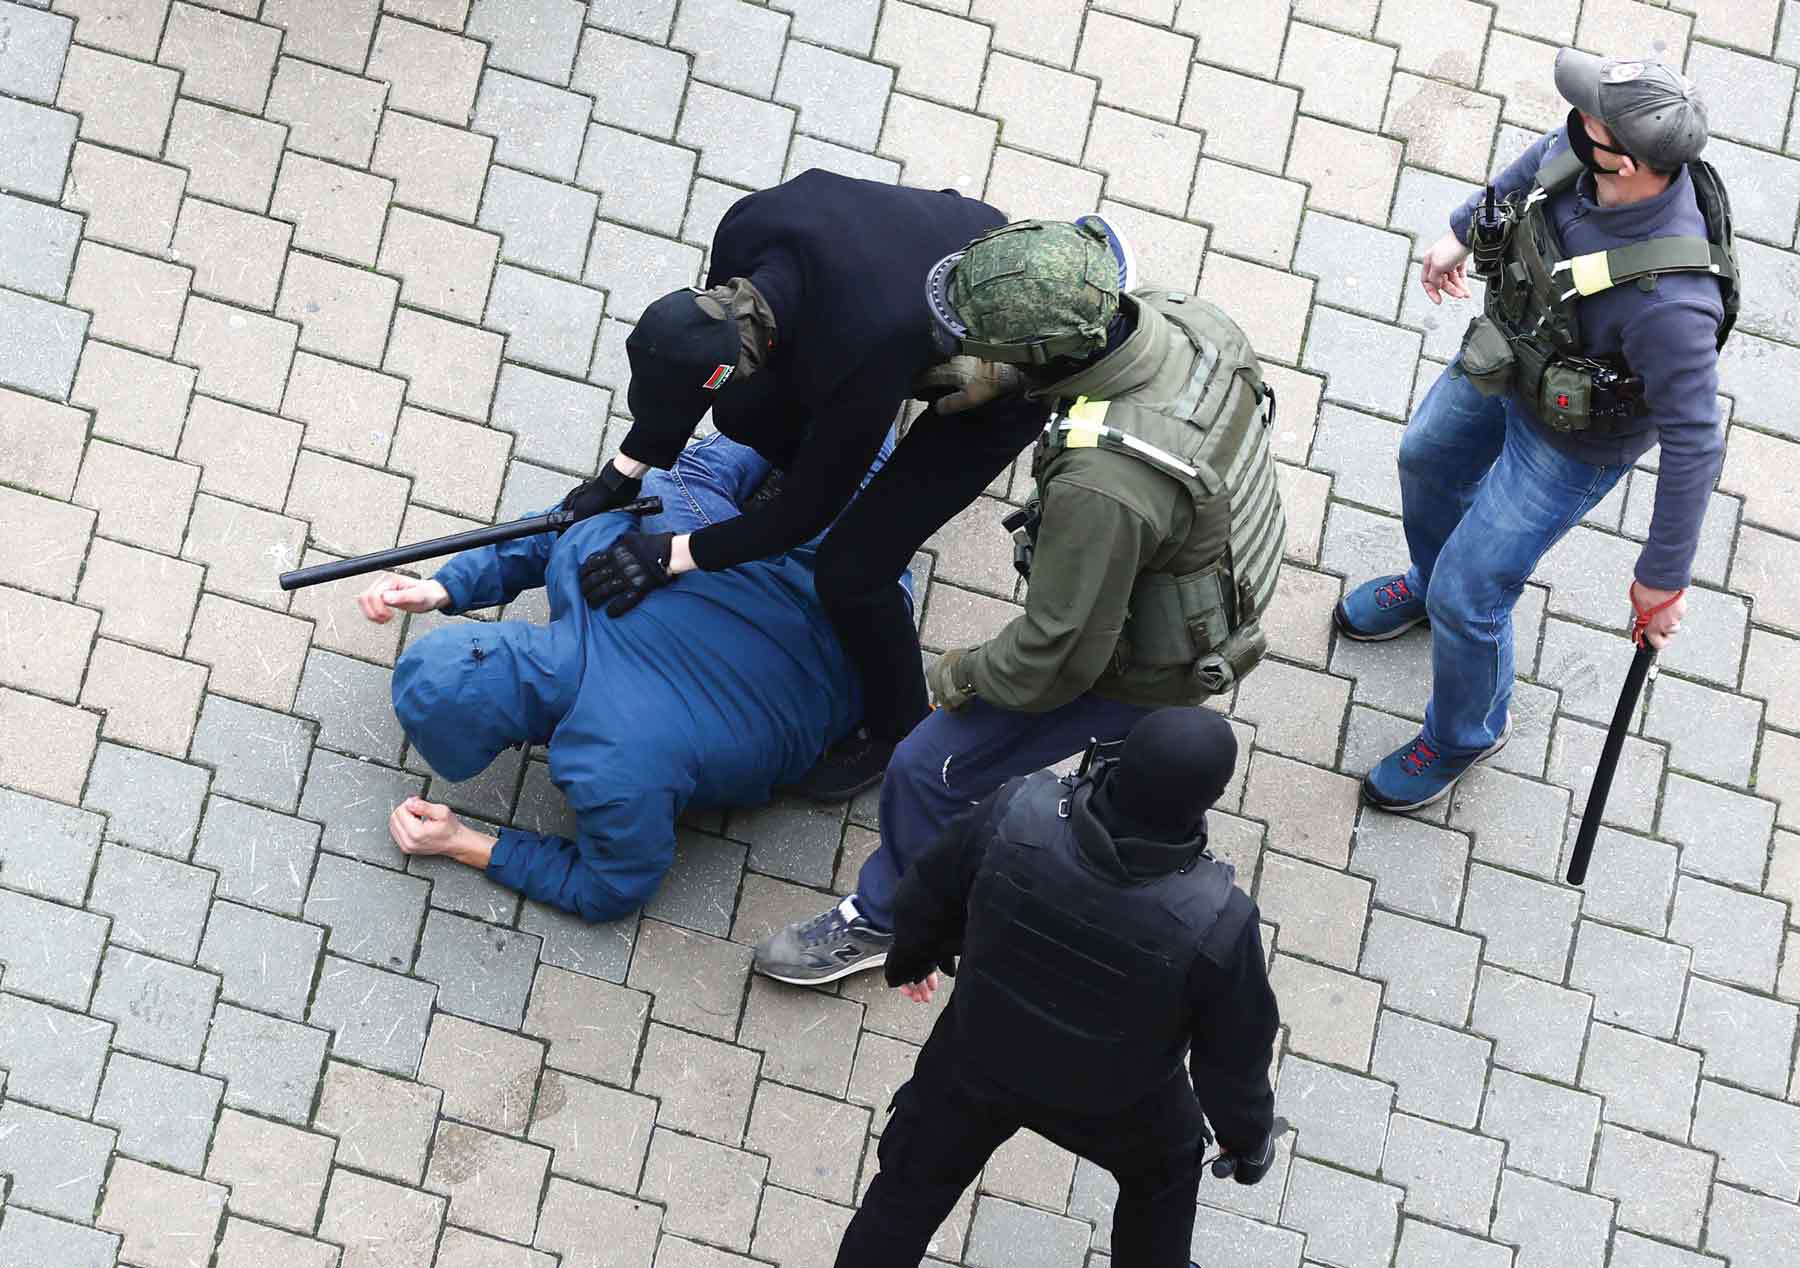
{"x":626,"y":571}
{"x":1249,"y":1168}
{"x":608,"y":491}
{"x":904,"y":969}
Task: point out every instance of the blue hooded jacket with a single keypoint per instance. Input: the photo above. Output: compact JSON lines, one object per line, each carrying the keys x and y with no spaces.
{"x":712,"y":692}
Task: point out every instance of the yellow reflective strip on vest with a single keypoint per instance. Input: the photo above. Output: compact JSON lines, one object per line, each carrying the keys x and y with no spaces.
{"x":1590,"y":273}
{"x":1090,"y":412}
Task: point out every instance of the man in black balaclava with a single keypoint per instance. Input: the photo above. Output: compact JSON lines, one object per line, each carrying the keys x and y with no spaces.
{"x":1100,"y":944}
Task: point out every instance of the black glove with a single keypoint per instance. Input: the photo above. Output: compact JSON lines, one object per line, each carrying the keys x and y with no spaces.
{"x":626,"y":571}
{"x":608,"y":491}
{"x":904,"y":969}
{"x":1249,"y":1168}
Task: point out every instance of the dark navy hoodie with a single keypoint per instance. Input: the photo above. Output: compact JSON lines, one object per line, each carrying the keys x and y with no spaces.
{"x":1668,"y":335}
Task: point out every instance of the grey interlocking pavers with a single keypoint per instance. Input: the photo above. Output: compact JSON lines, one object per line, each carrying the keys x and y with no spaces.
{"x":350,"y":699}
{"x":1321,"y":911}
{"x":1660,"y":1188}
{"x":1330,"y":1015}
{"x":1646,"y":1083}
{"x":1361,"y":360}
{"x":702,"y":886}
{"x":382,"y":1124}
{"x":488,"y":1077}
{"x":1429,"y":970}
{"x":339,"y":37}
{"x":542,"y":224}
{"x":1361,"y":451}
{"x":814,"y":1144}
{"x":27,"y":1237}
{"x":52,"y":1056}
{"x":1754,"y":1231}
{"x":1007,"y":1233}
{"x":157,"y":905}
{"x":255,"y":655}
{"x":270,"y":1066}
{"x":701,"y":1085}
{"x":1709,"y":733}
{"x":352,"y":509}
{"x":1537,"y":1028}
{"x":38,"y":141}
{"x":1040,"y":108}
{"x":1636,"y":981}
{"x":229,"y":157}
{"x":1528,"y":924}
{"x":141,"y":498}
{"x":137,"y":399}
{"x":463,"y":1249}
{"x":1417,"y":868}
{"x":1358,"y":268}
{"x":164,"y":1115}
{"x":348,"y":411}
{"x":264,"y":962}
{"x":791,"y":840}
{"x":1778,"y":774}
{"x":1574,"y":753}
{"x":709,"y":1191}
{"x":1551,"y":1225}
{"x":593,"y":1027}
{"x":916,"y":131}
{"x":32,"y":51}
{"x":576,"y":1218}
{"x":481,"y":972}
{"x":275,"y":1173}
{"x":741,"y":139}
{"x":1748,"y":1039}
{"x":39,"y":246}
{"x":223,"y":59}
{"x":1147,"y":161}
{"x":1221,"y":1237}
{"x":256,"y":755}
{"x":376,"y":1018}
{"x":45,"y":440}
{"x":57,"y":1164}
{"x":534,"y":126}
{"x":1549,"y":1129}
{"x":329,"y":114}
{"x":807,"y":1038}
{"x":51,"y":952}
{"x":1735,"y":937}
{"x":242,"y":356}
{"x":378,"y":1223}
{"x":235,"y":255}
{"x":373,"y":914}
{"x":1428,"y":1246}
{"x":1437,"y":1072}
{"x":449,"y":367}
{"x":122,"y":102}
{"x":1339,"y":1118}
{"x":1446,"y":127}
{"x":641,"y":182}
{"x":549,"y":322}
{"x":493,"y":1182}
{"x":1723,"y":833}
{"x":149,"y":699}
{"x":40,"y":344}
{"x":1448,"y":1175}
{"x":1347,"y":1219}
{"x":1756,"y":1138}
{"x":47,"y":641}
{"x":599,"y":1134}
{"x":632,"y":84}
{"x":52,"y":852}
{"x":62,"y":745}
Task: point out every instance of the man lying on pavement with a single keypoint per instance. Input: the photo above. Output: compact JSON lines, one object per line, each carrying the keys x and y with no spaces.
{"x":711,"y":694}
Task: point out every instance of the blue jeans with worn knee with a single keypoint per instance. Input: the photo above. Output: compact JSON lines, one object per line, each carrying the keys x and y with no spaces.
{"x":1484,"y":495}
{"x":953,"y":759}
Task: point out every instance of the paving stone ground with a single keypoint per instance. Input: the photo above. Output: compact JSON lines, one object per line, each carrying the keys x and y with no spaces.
{"x":282,"y":280}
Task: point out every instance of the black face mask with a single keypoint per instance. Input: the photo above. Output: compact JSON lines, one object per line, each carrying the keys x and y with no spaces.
{"x":1585,"y":146}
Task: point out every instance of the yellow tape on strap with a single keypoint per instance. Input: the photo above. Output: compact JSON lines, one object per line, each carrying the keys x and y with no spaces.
{"x":1092,"y":413}
{"x":1590,"y":273}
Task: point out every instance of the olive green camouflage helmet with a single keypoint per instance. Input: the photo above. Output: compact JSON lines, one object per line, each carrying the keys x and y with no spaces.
{"x":1031,"y":291}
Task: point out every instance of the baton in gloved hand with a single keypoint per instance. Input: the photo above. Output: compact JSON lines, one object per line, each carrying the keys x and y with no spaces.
{"x":549,"y":522}
{"x":1224,"y":1165}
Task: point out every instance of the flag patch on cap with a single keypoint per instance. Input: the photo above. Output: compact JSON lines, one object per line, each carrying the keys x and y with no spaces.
{"x":716,"y":379}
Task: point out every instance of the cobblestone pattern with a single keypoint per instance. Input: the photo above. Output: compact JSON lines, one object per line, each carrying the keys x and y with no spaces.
{"x":288,"y":279}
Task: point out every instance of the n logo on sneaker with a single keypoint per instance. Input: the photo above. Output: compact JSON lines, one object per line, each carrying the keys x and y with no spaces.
{"x":848,"y":952}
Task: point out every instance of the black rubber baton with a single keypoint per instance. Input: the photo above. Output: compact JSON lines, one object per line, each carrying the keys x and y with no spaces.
{"x":1609,"y":762}
{"x":549,"y":522}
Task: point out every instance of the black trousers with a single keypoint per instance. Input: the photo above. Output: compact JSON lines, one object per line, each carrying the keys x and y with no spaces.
{"x":945,"y":1125}
{"x":943,"y":465}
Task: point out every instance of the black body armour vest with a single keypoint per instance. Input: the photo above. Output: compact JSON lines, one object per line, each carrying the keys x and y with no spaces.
{"x":1073,"y":991}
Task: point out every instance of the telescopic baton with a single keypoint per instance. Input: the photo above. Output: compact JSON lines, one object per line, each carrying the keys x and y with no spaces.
{"x":548,"y":522}
{"x":1609,"y":761}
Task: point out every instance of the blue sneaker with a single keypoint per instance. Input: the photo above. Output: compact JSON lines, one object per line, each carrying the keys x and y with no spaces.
{"x":1418,"y":773}
{"x":1379,"y":610}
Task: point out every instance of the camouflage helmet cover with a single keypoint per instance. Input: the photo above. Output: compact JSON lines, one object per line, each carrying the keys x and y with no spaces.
{"x":1037,"y":281}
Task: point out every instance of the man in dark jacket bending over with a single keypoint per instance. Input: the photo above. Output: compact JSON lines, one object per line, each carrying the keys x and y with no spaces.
{"x":1100,"y":944}
{"x":810,"y":337}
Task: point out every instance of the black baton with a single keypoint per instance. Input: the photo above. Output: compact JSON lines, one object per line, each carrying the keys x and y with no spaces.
{"x":1609,"y":762}
{"x":548,"y":522}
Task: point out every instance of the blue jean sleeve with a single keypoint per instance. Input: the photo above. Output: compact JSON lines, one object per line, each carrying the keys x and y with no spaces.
{"x":492,"y":575}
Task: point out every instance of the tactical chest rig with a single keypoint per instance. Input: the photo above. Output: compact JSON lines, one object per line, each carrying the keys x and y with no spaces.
{"x":1202,"y":417}
{"x":1528,"y":337}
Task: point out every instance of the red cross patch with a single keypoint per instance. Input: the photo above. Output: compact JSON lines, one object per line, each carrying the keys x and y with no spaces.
{"x":1562,"y":400}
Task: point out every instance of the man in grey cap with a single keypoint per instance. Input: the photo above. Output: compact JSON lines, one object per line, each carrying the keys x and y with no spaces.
{"x":1610,"y":286}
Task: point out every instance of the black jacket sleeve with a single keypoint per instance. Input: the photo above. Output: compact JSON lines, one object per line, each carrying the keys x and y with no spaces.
{"x":931,"y":907}
{"x":1235,"y":1020}
{"x":849,"y":426}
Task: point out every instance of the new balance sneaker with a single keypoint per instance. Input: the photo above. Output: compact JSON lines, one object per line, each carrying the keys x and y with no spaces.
{"x":1379,"y":610}
{"x":833,"y":944}
{"x":852,"y":764}
{"x":1418,"y":773}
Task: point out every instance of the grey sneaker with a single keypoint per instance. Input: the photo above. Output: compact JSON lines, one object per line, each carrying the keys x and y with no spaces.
{"x":833,"y":944}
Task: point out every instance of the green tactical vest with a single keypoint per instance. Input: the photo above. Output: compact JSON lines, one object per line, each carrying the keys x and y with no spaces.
{"x":1185,"y":394}
{"x":1528,"y":337}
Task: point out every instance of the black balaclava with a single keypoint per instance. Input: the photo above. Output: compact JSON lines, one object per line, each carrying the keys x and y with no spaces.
{"x":1173,"y":766}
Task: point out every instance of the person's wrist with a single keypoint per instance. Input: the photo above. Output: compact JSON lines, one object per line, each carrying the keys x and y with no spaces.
{"x":629,"y":466}
{"x":681,"y":559}
{"x":440,"y":598}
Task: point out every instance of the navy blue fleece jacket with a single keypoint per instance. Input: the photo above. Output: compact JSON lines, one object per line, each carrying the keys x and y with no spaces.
{"x":1668,"y":335}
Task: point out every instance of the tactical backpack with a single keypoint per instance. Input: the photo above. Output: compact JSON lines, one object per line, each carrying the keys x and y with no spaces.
{"x":1528,"y":337}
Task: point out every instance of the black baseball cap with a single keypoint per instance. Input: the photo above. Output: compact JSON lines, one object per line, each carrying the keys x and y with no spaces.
{"x":680,"y":357}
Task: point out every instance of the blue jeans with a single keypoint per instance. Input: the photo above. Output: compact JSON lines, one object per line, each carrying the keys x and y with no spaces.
{"x":713,"y":478}
{"x":1484,"y":496}
{"x":953,"y":759}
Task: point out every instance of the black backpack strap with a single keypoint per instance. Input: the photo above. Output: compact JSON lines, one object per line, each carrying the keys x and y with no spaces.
{"x":1589,"y":274}
{"x":1223,"y":937}
{"x":1558,"y":172}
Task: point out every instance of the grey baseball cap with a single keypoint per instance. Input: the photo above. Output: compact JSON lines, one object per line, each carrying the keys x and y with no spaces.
{"x":1654,"y":113}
